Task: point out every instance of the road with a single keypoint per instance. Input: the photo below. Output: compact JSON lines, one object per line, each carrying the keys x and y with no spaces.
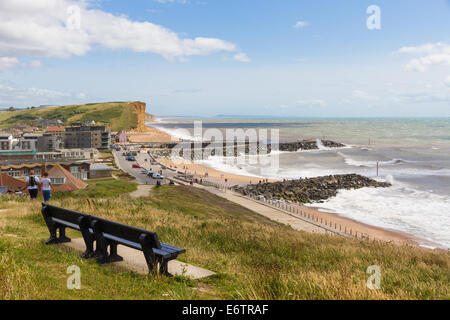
{"x":144,"y":160}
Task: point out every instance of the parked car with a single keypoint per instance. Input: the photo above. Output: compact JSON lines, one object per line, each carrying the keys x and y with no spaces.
{"x":136,"y":166}
{"x":144,"y":172}
{"x":157,"y":176}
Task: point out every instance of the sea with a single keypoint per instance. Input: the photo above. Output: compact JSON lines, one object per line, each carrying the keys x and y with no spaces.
{"x":413,"y":154}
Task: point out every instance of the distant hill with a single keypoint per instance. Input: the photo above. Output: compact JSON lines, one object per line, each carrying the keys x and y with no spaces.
{"x":116,"y":115}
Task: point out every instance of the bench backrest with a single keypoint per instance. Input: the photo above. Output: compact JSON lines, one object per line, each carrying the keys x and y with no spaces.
{"x":127,"y":232}
{"x":106,"y":226}
{"x":65,"y":214}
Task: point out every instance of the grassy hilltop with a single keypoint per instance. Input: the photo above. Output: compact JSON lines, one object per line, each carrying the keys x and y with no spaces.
{"x":255,"y":258}
{"x":117,"y":115}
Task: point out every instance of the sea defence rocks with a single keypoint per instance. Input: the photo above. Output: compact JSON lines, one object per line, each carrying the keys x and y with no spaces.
{"x":309,"y":189}
{"x":209,"y":149}
{"x":309,"y":145}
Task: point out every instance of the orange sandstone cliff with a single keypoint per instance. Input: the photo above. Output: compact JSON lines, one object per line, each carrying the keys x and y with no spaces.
{"x":146,"y":134}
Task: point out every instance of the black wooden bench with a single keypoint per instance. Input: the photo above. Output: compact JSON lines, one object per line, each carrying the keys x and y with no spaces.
{"x":104,"y":233}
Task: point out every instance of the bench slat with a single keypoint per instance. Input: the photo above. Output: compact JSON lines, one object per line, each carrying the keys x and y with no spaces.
{"x":165,"y":251}
{"x":67,"y":224}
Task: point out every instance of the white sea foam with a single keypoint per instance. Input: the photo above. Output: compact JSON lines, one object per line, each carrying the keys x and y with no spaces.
{"x":369,"y":163}
{"x":182,"y":134}
{"x":221,"y":164}
{"x":420,"y":213}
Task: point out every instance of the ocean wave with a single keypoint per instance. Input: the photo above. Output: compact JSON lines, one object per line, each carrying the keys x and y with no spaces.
{"x":178,"y":133}
{"x":229,"y":165}
{"x":370,"y":163}
{"x":420,"y":213}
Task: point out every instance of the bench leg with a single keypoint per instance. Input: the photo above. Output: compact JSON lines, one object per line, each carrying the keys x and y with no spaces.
{"x":62,"y":235}
{"x":113,"y":256}
{"x":101,"y":251}
{"x":51,"y":227}
{"x":101,"y":245}
{"x":87,"y":237}
{"x":164,"y":268}
{"x":150,"y":258}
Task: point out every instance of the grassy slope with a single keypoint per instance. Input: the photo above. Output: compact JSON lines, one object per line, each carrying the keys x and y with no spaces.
{"x":254,"y":258}
{"x":118,"y":115}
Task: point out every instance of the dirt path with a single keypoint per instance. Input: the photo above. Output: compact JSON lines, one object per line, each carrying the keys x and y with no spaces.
{"x":143,"y":190}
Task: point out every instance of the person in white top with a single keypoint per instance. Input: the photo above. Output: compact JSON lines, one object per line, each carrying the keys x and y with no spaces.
{"x":33,"y":185}
{"x":47,"y":187}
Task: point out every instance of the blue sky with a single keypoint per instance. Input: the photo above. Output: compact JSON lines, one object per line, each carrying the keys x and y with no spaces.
{"x":206,"y":57}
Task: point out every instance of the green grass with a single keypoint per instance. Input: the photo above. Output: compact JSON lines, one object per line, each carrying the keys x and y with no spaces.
{"x":100,"y":188}
{"x":117,"y":115}
{"x":254,"y":258}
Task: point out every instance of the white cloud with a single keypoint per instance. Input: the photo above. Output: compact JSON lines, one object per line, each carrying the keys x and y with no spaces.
{"x":242,"y":57}
{"x":11,"y":95}
{"x":301,"y":24}
{"x":435,"y":54}
{"x":81,"y":95}
{"x":360,"y":94}
{"x":33,"y":64}
{"x":8,"y":62}
{"x":424,"y":97}
{"x":41,"y":29}
{"x":447,"y":81}
{"x":311,"y":103}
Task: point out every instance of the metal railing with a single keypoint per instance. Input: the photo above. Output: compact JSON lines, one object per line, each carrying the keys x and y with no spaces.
{"x":296,"y":211}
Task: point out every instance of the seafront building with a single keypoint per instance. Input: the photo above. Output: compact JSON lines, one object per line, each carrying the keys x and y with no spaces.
{"x":80,"y":170}
{"x":56,"y":143}
{"x":68,"y":154}
{"x":98,"y":137}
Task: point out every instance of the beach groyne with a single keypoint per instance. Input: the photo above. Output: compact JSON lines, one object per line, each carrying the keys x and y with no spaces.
{"x":238,"y":148}
{"x":309,"y":190}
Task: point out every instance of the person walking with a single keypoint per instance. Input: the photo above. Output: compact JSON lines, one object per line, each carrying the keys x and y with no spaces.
{"x":47,"y":187}
{"x":33,"y":185}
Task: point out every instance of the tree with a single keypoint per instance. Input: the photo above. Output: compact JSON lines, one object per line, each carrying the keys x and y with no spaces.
{"x":11,"y":109}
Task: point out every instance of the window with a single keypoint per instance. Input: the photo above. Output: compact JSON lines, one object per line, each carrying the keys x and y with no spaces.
{"x":37,"y":171}
{"x":26,"y":145}
{"x":58,"y":181}
{"x":15,"y":173}
{"x":74,"y":170}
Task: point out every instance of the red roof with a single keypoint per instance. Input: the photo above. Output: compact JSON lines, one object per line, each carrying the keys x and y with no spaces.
{"x":71,"y":182}
{"x":12,"y":183}
{"x":54,"y":129}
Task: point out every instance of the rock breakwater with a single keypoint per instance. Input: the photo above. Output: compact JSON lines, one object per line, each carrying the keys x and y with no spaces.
{"x":309,"y":190}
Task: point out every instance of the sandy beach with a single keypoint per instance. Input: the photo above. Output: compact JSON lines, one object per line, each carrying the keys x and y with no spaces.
{"x":203,"y":172}
{"x":200,"y":171}
{"x":151,"y":135}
